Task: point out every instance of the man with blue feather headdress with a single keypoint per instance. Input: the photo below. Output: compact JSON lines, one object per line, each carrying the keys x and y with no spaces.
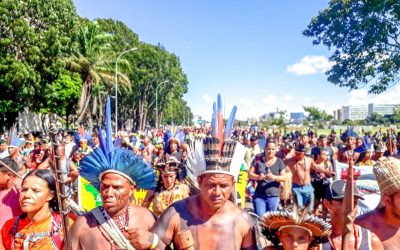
{"x":115,"y":172}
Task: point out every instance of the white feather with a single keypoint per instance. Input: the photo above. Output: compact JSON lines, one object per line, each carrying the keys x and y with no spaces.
{"x":237,"y":159}
{"x":196,"y":158}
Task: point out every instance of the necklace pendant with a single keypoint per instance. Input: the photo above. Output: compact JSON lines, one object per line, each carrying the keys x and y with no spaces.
{"x":126,"y":228}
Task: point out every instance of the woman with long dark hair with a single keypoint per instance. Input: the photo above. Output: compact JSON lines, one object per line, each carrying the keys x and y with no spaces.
{"x":169,"y":189}
{"x":39,"y":227}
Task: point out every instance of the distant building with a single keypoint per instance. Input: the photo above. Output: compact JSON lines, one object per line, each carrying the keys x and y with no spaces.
{"x":338,"y":115}
{"x":381,"y":109}
{"x":355,"y":112}
{"x":297,"y":118}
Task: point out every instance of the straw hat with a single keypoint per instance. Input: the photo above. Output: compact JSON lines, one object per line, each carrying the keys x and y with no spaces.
{"x":387,"y":173}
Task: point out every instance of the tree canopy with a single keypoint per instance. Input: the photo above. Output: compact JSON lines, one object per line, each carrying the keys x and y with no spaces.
{"x":54,"y":62}
{"x":365,"y":38}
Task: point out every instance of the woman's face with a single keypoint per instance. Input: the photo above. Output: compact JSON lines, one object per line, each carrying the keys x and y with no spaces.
{"x":174,"y":146}
{"x":35,"y":194}
{"x":270,"y":150}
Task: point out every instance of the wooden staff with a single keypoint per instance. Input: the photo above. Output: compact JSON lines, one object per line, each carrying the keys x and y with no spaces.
{"x":62,"y":196}
{"x":6,"y":166}
{"x":348,"y":203}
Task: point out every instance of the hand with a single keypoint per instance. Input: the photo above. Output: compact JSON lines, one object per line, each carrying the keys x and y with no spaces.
{"x":269,"y":176}
{"x":261,"y":177}
{"x":140,"y":238}
{"x":331,"y":174}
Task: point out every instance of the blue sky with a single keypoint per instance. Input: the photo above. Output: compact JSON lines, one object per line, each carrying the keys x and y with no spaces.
{"x":252,"y":52}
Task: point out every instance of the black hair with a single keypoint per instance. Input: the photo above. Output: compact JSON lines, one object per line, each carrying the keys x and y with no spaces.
{"x":46,"y":175}
{"x":11,"y":163}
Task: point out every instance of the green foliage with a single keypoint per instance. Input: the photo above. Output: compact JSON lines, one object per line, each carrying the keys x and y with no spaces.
{"x":316,"y":116}
{"x":52,"y":61}
{"x":35,"y":38}
{"x":365,"y":37}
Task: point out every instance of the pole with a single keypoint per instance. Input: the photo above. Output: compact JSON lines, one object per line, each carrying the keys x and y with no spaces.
{"x":161,"y":83}
{"x":116,"y":87}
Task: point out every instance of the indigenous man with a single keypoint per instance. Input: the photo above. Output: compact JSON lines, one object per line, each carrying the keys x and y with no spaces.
{"x":362,"y":237}
{"x":301,"y":166}
{"x":10,"y":186}
{"x":115,"y":173}
{"x":349,"y":137}
{"x":3,"y":149}
{"x":208,"y":220}
{"x":384,"y":221}
{"x":205,"y":221}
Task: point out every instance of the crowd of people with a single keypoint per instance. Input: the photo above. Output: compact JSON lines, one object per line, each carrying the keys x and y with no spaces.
{"x":190,"y":175}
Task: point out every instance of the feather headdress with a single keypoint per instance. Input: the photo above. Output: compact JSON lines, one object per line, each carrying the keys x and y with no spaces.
{"x":83,"y":135}
{"x":219,"y":153}
{"x":107,"y":159}
{"x":348,"y":133}
{"x":274,"y":221}
{"x":13,"y":140}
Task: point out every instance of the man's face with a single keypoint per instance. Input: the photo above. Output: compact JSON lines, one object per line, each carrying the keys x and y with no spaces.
{"x":305,"y":139}
{"x":253,"y":143}
{"x":12,"y":150}
{"x":299,"y":155}
{"x":294,"y":238}
{"x":215,"y":189}
{"x":392,"y":203}
{"x":3,"y":147}
{"x":4,"y":178}
{"x":43,"y":147}
{"x":115,"y":192}
{"x":35,"y":194}
{"x":351,"y":141}
{"x":336,"y":207}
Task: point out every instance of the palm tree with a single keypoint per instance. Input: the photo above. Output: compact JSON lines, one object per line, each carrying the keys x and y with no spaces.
{"x":95,"y":62}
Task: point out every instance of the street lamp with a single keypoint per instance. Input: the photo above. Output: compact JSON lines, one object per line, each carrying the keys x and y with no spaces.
{"x":116,"y":87}
{"x":161,"y":83}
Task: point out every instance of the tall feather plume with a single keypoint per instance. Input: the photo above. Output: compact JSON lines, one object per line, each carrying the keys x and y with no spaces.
{"x":220,"y":131}
{"x":229,"y":124}
{"x":214,"y":120}
{"x":106,"y":143}
{"x":106,"y":157}
{"x":109,"y":140}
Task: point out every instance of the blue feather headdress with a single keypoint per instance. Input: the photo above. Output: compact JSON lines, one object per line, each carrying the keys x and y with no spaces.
{"x":83,"y":135}
{"x":13,"y":140}
{"x":348,"y":133}
{"x":107,"y":159}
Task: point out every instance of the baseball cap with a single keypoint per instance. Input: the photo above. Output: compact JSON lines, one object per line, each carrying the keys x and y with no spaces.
{"x":336,"y":189}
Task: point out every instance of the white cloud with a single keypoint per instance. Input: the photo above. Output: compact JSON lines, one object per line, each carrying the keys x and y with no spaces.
{"x":310,"y":65}
{"x":288,"y":97}
{"x":361,"y":97}
{"x":207,"y":98}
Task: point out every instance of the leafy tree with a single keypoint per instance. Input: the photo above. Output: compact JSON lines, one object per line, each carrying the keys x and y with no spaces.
{"x":316,"y":116}
{"x":35,"y":37}
{"x":95,"y":61}
{"x":365,"y":37}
